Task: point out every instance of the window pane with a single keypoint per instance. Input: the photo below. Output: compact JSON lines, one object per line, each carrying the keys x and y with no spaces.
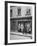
{"x":10,"y":12}
{"x":19,"y":12}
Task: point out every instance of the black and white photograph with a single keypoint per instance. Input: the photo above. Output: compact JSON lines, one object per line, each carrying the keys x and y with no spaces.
{"x":21,"y":22}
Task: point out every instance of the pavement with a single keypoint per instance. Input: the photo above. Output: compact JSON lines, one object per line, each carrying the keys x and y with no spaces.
{"x":17,"y":36}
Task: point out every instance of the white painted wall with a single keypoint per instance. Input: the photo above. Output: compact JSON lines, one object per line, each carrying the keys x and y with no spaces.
{"x":23,"y":10}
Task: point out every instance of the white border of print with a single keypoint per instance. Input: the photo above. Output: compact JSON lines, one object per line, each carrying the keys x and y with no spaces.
{"x":33,"y":29}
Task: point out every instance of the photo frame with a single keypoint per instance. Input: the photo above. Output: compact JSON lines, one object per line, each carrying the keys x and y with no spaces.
{"x":20,"y":22}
